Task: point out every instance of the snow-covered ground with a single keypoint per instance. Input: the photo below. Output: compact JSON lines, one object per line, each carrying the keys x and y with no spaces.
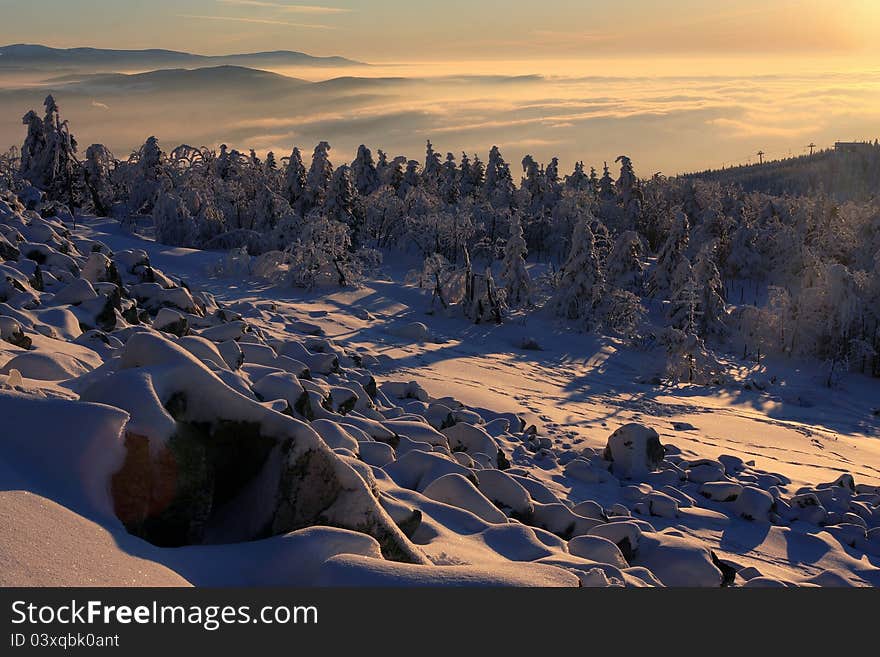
{"x":489,"y":468}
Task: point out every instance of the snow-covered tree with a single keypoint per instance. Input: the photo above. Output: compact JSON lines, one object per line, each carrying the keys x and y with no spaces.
{"x":322,"y":256}
{"x":532,"y":184}
{"x":498,"y":187}
{"x":467,"y":184}
{"x":431,"y":172}
{"x":385,"y":215}
{"x":295,"y":181}
{"x":623,"y":266}
{"x":271,"y":163}
{"x":551,"y":175}
{"x":318,"y":178}
{"x":578,"y":180}
{"x":476,"y":178}
{"x":713,"y":316}
{"x":688,"y":360}
{"x":514,"y":275}
{"x":48,"y":156}
{"x":450,"y":181}
{"x":607,"y":193}
{"x":630,"y":194}
{"x":594,"y":182}
{"x":149,"y":178}
{"x":671,"y":255}
{"x":173,"y":222}
{"x":341,"y":202}
{"x":581,"y":284}
{"x":364,"y":174}
{"x":97,"y":170}
{"x":621,"y":313}
{"x":684,"y":303}
{"x":482,"y":300}
{"x":411,"y":179}
{"x":392,"y":173}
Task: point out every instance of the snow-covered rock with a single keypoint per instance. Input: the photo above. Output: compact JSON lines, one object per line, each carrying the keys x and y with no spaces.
{"x":754,"y":504}
{"x":634,"y":450}
{"x":677,"y":560}
{"x":455,"y":490}
{"x":415,"y":331}
{"x":179,"y":408}
{"x":597,"y":548}
{"x":721,"y":491}
{"x":506,"y":493}
{"x":626,"y":535}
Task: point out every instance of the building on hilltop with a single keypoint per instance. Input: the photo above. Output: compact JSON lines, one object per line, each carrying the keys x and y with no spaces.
{"x":853,"y":146}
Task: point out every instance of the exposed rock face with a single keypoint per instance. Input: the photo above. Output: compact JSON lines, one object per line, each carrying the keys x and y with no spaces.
{"x":207,"y":464}
{"x":634,"y":450}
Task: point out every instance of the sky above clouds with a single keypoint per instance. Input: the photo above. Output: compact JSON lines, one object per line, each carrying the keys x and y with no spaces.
{"x":676,"y":84}
{"x":417,"y":30}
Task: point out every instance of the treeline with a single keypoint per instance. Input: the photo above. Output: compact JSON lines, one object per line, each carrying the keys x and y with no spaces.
{"x":668,"y":260}
{"x":850,"y":172}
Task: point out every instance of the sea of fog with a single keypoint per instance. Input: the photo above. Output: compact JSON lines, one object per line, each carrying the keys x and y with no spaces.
{"x":670,"y":118}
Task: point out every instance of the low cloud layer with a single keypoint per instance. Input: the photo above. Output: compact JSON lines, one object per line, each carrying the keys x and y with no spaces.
{"x":668,"y":124}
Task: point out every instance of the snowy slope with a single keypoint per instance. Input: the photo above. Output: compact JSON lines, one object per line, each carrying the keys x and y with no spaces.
{"x":737,"y":498}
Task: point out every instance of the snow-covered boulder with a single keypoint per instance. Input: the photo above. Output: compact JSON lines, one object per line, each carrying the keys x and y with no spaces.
{"x":455,"y":490}
{"x":521,"y":543}
{"x":153,"y":297}
{"x":335,"y":435}
{"x":634,"y":450}
{"x":589,"y":509}
{"x":12,"y":332}
{"x":415,"y":331}
{"x":705,"y":470}
{"x":417,"y":469}
{"x":225,"y":332}
{"x":597,"y":548}
{"x":560,"y":520}
{"x":282,"y":385}
{"x":205,"y":350}
{"x":76,"y":292}
{"x":662,"y":505}
{"x":44,"y":366}
{"x":231,"y":352}
{"x":588,"y":472}
{"x":171,"y":321}
{"x":473,"y":440}
{"x":677,"y":560}
{"x":375,"y":453}
{"x":625,"y":535}
{"x":415,"y":430}
{"x":203,"y":459}
{"x":401,"y":390}
{"x":506,"y":493}
{"x":316,"y":362}
{"x":353,"y":570}
{"x":848,"y":533}
{"x":721,"y":491}
{"x":754,"y":504}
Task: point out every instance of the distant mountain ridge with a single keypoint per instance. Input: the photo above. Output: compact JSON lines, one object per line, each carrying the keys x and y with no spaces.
{"x":25,"y":56}
{"x":208,"y":79}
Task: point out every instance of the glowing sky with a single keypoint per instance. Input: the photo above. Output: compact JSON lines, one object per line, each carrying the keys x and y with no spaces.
{"x":386,"y":30}
{"x":676,"y":84}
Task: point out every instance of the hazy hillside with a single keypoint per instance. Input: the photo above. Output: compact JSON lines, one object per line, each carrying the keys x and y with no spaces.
{"x":33,"y":56}
{"x":845,"y":174}
{"x":213,"y":79}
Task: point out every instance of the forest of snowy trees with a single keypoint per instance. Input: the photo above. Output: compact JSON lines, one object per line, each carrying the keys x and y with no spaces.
{"x":699,"y":266}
